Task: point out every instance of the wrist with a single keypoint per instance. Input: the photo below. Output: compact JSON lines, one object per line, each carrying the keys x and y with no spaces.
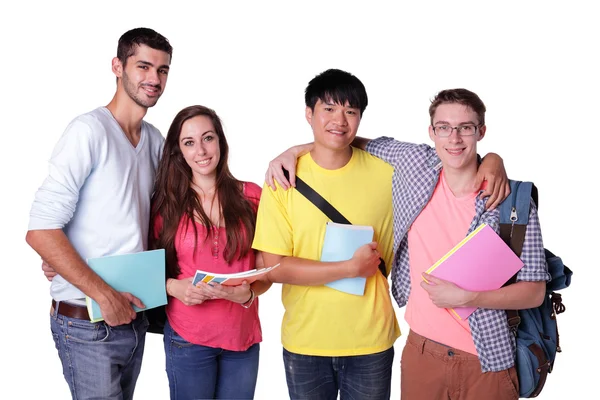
{"x":301,"y":149}
{"x":351,"y":268}
{"x":169,"y":287}
{"x":105,"y":297}
{"x":249,"y":302}
{"x":471,"y":299}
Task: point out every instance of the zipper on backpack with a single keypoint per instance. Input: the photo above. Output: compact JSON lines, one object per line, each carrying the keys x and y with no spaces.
{"x":513,"y":210}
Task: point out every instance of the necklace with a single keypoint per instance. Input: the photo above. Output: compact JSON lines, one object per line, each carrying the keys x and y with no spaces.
{"x":215,"y":239}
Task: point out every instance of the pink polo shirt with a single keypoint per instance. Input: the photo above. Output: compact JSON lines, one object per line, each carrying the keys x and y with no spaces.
{"x":443,"y":223}
{"x":214,"y":323}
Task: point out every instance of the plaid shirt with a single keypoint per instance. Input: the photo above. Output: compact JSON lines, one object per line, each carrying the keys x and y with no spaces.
{"x":416,"y":173}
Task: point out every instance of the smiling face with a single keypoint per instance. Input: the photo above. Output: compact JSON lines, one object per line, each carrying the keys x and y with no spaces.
{"x":144,"y":75}
{"x":458,"y":153}
{"x":199,"y":145}
{"x":334,"y":126}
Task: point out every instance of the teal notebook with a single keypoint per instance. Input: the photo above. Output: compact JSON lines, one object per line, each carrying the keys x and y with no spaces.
{"x":340,"y":243}
{"x":141,"y":274}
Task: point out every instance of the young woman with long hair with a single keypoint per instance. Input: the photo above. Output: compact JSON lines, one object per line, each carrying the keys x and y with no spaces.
{"x":205,"y":218}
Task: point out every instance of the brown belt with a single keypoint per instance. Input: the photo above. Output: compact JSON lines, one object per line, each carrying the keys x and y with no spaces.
{"x":71,"y":311}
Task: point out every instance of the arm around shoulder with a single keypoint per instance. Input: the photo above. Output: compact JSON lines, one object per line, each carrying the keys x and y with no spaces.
{"x":395,"y":152}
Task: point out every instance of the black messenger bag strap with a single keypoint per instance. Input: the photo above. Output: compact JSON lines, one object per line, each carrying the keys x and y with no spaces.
{"x":330,"y":211}
{"x":318,"y":200}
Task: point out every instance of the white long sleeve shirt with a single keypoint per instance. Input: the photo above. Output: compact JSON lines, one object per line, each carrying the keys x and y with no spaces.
{"x":98,"y":190}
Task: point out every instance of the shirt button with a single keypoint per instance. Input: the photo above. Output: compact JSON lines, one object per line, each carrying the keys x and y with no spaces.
{"x":450,"y":353}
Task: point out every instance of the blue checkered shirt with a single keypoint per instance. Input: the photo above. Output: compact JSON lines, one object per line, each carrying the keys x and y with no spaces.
{"x":416,"y":173}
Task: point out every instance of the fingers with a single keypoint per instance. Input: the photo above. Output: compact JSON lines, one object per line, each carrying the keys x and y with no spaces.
{"x":49,"y":272}
{"x":478,"y":181}
{"x":134,"y":300}
{"x":292,"y":172}
{"x":495,"y":198}
{"x":430,"y":279}
{"x":280,"y":177}
{"x":215,"y":291}
{"x":503,"y":192}
{"x":269,"y":179}
{"x":275,"y":173}
{"x":492,"y":192}
{"x":425,"y":286}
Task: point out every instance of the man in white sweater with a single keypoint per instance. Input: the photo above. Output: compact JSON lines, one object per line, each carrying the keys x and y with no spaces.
{"x":96,"y":202}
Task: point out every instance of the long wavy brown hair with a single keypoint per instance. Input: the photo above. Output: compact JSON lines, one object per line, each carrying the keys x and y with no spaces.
{"x":174,"y":198}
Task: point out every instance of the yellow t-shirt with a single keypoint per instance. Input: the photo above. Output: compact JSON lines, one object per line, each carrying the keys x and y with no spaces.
{"x":319,"y":320}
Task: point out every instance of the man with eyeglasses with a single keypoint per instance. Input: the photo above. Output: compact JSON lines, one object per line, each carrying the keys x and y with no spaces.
{"x":437,"y":202}
{"x":444,"y":355}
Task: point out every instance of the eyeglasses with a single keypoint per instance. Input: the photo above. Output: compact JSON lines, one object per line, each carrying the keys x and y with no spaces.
{"x":445,"y":131}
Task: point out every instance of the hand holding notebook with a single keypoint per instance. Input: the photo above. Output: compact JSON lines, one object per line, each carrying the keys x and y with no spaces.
{"x":480,"y":262}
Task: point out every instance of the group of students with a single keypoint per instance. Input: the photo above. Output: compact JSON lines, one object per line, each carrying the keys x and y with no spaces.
{"x":115,"y":187}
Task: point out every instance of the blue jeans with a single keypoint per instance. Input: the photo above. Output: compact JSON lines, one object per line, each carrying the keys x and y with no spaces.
{"x":99,"y":361}
{"x":200,"y":372}
{"x":365,"y":377}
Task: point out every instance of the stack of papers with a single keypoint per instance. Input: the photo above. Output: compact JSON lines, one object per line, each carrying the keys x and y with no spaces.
{"x":235,"y":279}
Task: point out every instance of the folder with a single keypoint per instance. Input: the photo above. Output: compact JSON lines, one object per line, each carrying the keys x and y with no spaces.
{"x":339,"y":244}
{"x":141,"y":274}
{"x":480,"y":262}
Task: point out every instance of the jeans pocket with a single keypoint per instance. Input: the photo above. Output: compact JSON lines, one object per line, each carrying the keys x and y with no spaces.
{"x":178,"y":341}
{"x":86,"y":332}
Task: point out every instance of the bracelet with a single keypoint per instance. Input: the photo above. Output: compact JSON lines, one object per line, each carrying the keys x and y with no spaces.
{"x":249,"y":302}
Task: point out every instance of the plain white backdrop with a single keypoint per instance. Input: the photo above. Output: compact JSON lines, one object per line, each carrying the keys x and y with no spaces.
{"x":532,"y":63}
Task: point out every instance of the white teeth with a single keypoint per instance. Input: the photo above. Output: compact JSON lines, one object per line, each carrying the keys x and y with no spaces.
{"x":203,"y":162}
{"x":454,"y":151}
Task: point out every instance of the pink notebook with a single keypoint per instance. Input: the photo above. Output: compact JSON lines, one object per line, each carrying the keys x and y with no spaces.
{"x":481,"y":261}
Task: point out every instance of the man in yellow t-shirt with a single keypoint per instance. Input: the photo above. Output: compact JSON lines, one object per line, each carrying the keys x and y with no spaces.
{"x":333,"y":341}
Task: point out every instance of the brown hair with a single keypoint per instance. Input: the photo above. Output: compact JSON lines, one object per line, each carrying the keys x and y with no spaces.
{"x":460,"y":96}
{"x":174,"y":198}
{"x":130,"y":40}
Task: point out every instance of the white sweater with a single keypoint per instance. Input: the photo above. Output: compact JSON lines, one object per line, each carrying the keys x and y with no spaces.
{"x":98,"y":190}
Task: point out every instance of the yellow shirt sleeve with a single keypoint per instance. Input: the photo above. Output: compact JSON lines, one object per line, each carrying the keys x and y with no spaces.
{"x":274,"y":232}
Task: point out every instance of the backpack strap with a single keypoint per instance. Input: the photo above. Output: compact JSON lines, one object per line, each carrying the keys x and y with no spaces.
{"x":514,"y":214}
{"x":514,"y":217}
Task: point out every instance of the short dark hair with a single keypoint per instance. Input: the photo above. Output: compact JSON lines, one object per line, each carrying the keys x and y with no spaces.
{"x":129,"y":41}
{"x":459,"y":96}
{"x":337,"y":86}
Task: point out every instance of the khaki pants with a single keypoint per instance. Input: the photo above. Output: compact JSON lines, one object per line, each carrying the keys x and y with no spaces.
{"x":432,"y":371}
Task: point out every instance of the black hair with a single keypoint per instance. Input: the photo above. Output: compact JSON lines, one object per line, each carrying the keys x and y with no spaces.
{"x":336,"y":86}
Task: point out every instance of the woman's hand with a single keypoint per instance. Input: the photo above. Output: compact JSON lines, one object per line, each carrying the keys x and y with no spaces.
{"x":237,"y":294}
{"x":187,"y":293}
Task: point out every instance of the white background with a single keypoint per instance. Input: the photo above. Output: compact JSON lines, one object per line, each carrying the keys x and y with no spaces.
{"x":532,"y":63}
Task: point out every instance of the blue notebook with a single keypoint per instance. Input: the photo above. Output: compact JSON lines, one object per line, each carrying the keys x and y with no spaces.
{"x":340,"y":243}
{"x":141,"y":274}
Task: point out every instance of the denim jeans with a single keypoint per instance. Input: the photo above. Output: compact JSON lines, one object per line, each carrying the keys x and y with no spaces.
{"x":366,"y":377}
{"x":200,"y":372}
{"x":99,"y":361}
